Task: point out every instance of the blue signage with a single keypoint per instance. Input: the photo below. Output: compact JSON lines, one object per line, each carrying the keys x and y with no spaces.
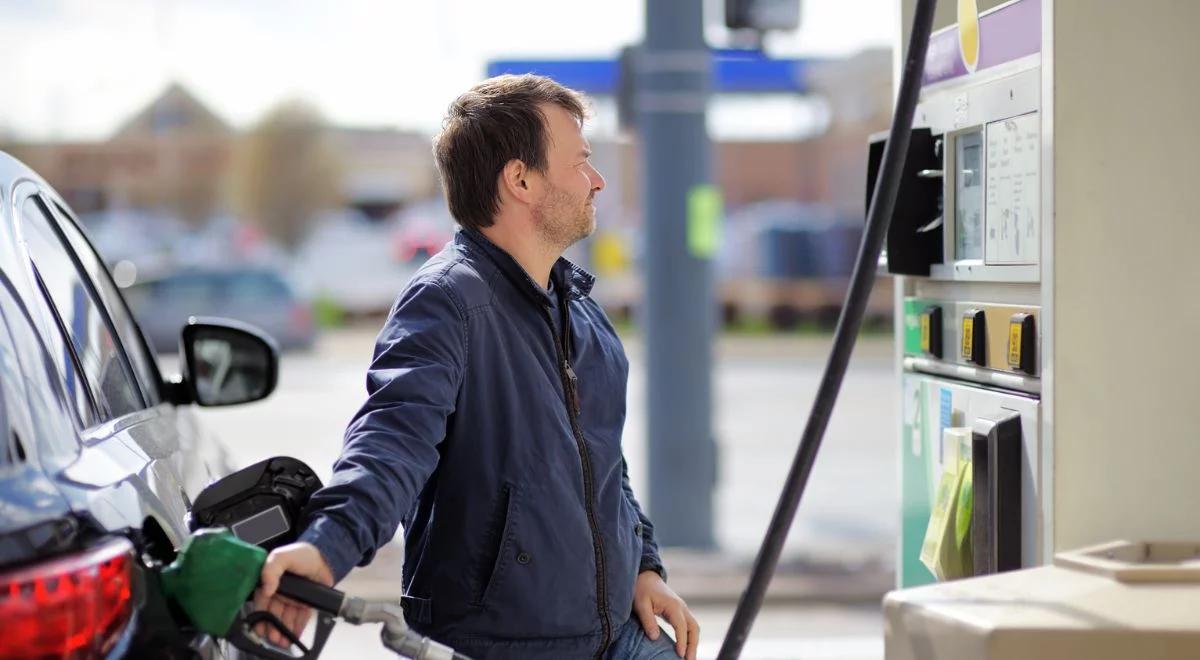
{"x":734,"y":71}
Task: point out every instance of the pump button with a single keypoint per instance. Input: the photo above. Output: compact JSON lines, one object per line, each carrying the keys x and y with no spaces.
{"x":931,"y":331}
{"x":974,"y":337}
{"x":1022,"y":343}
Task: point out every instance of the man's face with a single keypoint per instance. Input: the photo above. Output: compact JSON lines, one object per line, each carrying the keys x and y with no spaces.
{"x":566,"y":212}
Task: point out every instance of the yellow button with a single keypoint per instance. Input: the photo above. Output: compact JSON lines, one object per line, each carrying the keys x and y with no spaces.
{"x":1014,"y":344}
{"x":974,"y":337}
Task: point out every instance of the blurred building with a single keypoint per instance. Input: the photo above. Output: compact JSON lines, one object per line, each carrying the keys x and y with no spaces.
{"x":176,"y":155}
{"x":173,"y":155}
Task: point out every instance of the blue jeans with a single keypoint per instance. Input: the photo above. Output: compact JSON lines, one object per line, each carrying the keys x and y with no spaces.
{"x":632,"y":643}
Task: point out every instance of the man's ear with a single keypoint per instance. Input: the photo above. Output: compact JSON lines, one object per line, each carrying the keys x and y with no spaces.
{"x":515,"y":181}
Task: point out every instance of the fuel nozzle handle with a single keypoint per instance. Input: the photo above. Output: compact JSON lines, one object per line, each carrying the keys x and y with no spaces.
{"x":313,"y":594}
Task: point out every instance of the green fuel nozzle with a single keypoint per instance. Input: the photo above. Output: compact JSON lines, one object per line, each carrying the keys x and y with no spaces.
{"x":212,"y":577}
{"x":215,"y":574}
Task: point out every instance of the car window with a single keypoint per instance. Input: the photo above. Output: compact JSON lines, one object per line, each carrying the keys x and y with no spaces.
{"x":136,"y":349}
{"x":66,"y":369}
{"x":31,"y":404}
{"x":138,"y":296}
{"x":108,"y":376}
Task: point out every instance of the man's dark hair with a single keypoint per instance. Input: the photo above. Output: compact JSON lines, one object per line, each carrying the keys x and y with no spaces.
{"x":498,"y":120}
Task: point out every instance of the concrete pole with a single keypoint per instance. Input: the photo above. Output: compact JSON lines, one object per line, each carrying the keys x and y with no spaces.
{"x":673,"y":76}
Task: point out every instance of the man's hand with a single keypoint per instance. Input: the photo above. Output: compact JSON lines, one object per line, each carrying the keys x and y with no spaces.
{"x":652,"y":596}
{"x":302,"y":559}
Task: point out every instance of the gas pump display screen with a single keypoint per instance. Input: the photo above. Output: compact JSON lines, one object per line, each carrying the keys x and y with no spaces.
{"x":968,"y":196}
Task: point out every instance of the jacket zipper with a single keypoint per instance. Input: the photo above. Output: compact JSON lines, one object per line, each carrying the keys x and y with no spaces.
{"x":570,"y":386}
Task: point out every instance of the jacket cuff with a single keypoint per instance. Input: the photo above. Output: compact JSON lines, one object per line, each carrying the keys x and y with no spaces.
{"x":651,"y":562}
{"x":335,"y":545}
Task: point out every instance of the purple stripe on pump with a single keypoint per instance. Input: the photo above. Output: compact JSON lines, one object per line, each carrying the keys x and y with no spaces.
{"x":1005,"y":34}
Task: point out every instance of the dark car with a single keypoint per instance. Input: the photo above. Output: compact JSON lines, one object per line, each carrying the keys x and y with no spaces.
{"x":259,"y":296}
{"x":100,"y":457}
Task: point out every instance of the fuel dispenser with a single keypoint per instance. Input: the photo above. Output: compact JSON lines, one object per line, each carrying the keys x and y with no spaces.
{"x":965,"y":242}
{"x":1035,"y":194}
{"x":1042,"y":246}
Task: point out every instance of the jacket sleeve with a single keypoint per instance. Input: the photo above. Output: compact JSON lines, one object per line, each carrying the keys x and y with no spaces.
{"x":651,"y":561}
{"x":391,"y":444}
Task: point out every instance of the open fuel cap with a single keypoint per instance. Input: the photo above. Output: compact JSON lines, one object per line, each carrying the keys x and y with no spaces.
{"x":262,"y":504}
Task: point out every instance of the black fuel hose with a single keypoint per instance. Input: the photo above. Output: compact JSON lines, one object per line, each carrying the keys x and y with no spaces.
{"x":879,"y":214}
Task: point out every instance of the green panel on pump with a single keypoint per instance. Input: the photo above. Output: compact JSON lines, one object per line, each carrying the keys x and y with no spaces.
{"x":912,"y":325}
{"x":918,"y":478}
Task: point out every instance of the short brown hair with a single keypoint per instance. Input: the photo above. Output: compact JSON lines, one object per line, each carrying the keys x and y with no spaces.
{"x":498,"y":120}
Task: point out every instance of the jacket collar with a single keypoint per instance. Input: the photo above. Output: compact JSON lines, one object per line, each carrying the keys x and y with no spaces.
{"x":568,"y":277}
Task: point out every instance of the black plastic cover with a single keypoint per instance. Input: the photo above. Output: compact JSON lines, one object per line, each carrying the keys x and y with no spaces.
{"x":914,"y":240}
{"x":262,"y":504}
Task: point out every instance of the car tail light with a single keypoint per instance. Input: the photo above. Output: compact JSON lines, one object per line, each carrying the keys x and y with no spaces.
{"x":70,"y":607}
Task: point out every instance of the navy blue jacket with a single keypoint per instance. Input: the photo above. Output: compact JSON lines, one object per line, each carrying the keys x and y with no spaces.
{"x":498,"y":446}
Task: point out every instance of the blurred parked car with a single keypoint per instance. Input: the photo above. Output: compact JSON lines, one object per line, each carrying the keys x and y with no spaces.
{"x":347,"y":261}
{"x":421,"y":231}
{"x":258,"y":296}
{"x":100,"y":456}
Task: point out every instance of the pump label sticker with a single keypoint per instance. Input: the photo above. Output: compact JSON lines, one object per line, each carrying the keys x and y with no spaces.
{"x":1012,"y":205}
{"x":926,"y":331}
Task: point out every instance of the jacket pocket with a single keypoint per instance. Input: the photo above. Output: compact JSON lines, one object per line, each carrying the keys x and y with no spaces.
{"x":498,"y":544}
{"x":625,"y":570}
{"x":638,"y":541}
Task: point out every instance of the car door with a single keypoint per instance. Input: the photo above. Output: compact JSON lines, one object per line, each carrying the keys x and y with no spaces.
{"x":120,"y":398}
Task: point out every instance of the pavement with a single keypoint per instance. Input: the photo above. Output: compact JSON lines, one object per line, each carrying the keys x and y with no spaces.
{"x":838,"y":560}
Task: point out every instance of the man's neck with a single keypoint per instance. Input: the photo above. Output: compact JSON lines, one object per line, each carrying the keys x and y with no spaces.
{"x":531,"y":253}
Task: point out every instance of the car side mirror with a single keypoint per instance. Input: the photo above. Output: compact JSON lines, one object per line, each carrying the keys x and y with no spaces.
{"x":226,"y":362}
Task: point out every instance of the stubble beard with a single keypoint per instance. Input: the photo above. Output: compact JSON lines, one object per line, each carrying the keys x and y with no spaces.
{"x":561,"y":222}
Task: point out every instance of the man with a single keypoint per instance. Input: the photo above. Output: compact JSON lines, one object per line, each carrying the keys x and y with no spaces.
{"x":492,"y":429}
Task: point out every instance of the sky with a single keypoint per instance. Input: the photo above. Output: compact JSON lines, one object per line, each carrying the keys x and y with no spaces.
{"x":74,"y":69}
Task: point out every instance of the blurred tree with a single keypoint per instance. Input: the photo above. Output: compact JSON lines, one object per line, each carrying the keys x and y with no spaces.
{"x":287,"y":170}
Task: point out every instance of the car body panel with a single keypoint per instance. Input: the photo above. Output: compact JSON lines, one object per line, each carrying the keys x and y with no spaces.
{"x":59,"y":476}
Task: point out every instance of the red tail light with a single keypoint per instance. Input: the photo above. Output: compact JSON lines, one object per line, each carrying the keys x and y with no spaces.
{"x":72,"y":607}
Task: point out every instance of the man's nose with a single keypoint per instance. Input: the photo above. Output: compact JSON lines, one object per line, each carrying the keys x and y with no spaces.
{"x":597,"y":181}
